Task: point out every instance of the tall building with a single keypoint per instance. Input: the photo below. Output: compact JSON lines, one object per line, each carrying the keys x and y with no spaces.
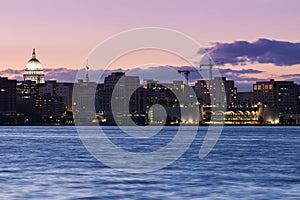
{"x":116,"y":91}
{"x":111,"y":80}
{"x":7,"y":96}
{"x":219,"y":90}
{"x":120,"y":84}
{"x":34,"y":70}
{"x":166,"y":94}
{"x":277,"y":94}
{"x":49,"y":106}
{"x":83,"y":98}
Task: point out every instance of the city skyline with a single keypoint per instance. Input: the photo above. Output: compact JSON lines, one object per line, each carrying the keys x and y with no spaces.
{"x":209,"y":94}
{"x":271,"y":102}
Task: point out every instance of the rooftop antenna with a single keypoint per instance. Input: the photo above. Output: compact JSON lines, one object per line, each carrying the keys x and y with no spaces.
{"x":87,"y":71}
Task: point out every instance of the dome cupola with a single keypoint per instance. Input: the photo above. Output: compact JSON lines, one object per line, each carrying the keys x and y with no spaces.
{"x":34,"y":64}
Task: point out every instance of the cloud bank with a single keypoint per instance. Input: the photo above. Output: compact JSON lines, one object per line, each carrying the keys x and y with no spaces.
{"x":279,"y":53}
{"x":161,"y":73}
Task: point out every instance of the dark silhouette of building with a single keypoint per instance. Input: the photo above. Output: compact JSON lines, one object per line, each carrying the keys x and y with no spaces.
{"x":26,"y":91}
{"x":55,"y":89}
{"x":39,"y":103}
{"x":50,"y":108}
{"x":7,"y":96}
{"x":245,"y":99}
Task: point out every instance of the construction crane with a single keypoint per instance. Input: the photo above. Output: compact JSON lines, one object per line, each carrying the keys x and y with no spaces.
{"x":210,"y":65}
{"x":187,"y":72}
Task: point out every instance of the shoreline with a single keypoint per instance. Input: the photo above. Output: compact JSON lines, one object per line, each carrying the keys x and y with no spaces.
{"x":12,"y":125}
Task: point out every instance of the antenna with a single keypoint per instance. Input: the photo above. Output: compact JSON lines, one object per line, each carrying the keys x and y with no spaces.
{"x":87,"y":71}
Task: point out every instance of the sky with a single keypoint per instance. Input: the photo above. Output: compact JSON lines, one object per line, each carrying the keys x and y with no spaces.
{"x":254,"y":40}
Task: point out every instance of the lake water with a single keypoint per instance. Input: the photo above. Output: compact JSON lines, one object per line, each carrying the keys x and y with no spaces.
{"x":246,"y":163}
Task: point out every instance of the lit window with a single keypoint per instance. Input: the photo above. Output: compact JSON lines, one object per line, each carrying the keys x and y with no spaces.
{"x":259,"y":87}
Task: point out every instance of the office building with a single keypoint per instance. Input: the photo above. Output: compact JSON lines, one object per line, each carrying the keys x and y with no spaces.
{"x":49,"y":107}
{"x":7,"y":96}
{"x":218,"y":92}
{"x":278,"y":94}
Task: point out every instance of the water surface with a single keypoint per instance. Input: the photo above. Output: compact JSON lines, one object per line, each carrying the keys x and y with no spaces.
{"x":246,"y":163}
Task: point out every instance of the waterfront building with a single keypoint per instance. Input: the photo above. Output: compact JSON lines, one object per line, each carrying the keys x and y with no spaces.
{"x":84,"y":100}
{"x":278,"y":94}
{"x":7,"y":96}
{"x":34,"y":70}
{"x":50,"y":108}
{"x":173,"y":115}
{"x":258,"y":114}
{"x":119,"y":98}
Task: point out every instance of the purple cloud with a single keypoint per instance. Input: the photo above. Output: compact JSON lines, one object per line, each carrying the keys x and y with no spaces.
{"x":291,"y":77}
{"x":61,"y":74}
{"x":280,"y":53}
{"x":242,"y":71}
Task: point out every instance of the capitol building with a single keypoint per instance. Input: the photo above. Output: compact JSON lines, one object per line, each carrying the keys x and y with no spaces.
{"x":34,"y":70}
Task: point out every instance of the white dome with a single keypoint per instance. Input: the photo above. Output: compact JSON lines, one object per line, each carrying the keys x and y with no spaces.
{"x":34,"y":64}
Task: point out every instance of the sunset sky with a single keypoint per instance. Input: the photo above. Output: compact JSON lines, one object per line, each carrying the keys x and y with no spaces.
{"x":257,"y":39}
